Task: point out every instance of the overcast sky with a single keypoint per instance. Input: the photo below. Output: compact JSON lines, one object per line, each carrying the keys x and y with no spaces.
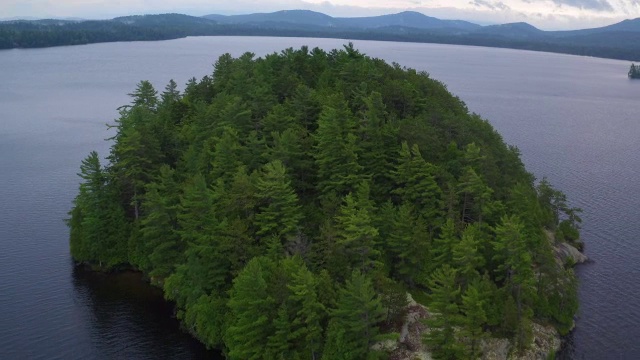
{"x":546,"y":14}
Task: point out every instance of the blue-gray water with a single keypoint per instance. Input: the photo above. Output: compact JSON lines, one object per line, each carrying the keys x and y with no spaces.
{"x":575,"y":119}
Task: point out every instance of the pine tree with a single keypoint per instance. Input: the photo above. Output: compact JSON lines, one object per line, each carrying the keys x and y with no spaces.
{"x":159,"y":225}
{"x":353,"y":325}
{"x":227,"y":156}
{"x":516,"y":270}
{"x":467,"y":255}
{"x":252,"y":313}
{"x":337,"y":152}
{"x":310,"y":315}
{"x":378,"y":139}
{"x":416,"y":184}
{"x":409,"y":243}
{"x":443,"y":245}
{"x":356,"y":233}
{"x":475,"y":196}
{"x":195,"y":212}
{"x":145,"y":95}
{"x":99,"y":230}
{"x":474,"y":320}
{"x":279,"y":213}
{"x":445,"y":317}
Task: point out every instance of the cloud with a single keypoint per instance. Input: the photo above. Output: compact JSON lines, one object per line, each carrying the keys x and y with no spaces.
{"x":495,"y":5}
{"x":597,"y":5}
{"x":547,"y":14}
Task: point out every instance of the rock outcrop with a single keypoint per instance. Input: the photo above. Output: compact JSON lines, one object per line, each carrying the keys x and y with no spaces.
{"x":545,"y":341}
{"x":410,"y":346}
{"x":568,"y":254}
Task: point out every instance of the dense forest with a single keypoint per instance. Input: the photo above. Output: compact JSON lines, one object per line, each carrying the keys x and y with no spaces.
{"x":287,"y":204}
{"x":634,"y":72}
{"x":618,"y":41}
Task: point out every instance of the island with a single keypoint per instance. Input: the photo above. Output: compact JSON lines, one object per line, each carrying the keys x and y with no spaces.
{"x":320,"y":204}
{"x":634,"y":72}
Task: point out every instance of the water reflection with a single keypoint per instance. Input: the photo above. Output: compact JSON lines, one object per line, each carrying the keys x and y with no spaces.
{"x":129,"y":319}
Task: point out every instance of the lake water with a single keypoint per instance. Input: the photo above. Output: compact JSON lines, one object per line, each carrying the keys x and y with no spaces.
{"x":575,"y":119}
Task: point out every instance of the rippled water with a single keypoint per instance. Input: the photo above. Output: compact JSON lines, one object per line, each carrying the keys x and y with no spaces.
{"x":575,"y":119}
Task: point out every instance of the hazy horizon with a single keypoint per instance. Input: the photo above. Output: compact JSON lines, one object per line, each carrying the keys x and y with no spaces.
{"x":544,"y":14}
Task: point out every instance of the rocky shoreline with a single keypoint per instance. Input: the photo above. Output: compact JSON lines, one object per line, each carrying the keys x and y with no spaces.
{"x":546,"y":340}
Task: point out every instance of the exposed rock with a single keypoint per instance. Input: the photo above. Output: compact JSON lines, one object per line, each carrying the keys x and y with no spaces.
{"x":568,"y":254}
{"x":545,"y":341}
{"x":409,"y":345}
{"x":495,"y":349}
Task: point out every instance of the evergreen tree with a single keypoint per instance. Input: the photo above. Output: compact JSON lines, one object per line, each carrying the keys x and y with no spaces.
{"x":409,"y":242}
{"x":475,"y":196}
{"x":516,"y":270}
{"x":159,"y":226}
{"x":417,"y":186}
{"x":353,"y":325}
{"x":337,"y":152}
{"x":99,"y":229}
{"x":227,"y":156}
{"x":279,"y":213}
{"x":356,"y":234}
{"x":473,"y":305}
{"x":445,"y":317}
{"x":443,"y":245}
{"x":145,"y":95}
{"x":310,"y":314}
{"x":467,"y":256}
{"x":252,"y":313}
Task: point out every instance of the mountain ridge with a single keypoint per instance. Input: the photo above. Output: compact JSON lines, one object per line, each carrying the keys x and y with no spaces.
{"x":616,"y":41}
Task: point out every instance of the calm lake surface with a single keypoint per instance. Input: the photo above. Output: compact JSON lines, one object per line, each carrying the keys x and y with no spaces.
{"x":575,"y":119}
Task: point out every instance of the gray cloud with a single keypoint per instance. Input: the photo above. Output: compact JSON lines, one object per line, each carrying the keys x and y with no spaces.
{"x":495,"y":5}
{"x":597,"y":5}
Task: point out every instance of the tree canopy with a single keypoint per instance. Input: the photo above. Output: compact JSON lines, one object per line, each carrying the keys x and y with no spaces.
{"x":634,"y":72}
{"x":287,"y":203}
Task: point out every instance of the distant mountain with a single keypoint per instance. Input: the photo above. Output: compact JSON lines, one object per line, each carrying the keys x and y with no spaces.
{"x":410,"y":19}
{"x":631,"y":25}
{"x":520,"y":30}
{"x":617,"y":41}
{"x":302,"y":17}
{"x":163,"y":19}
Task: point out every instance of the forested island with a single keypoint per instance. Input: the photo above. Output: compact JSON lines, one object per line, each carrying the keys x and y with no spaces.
{"x":634,"y":72}
{"x":617,"y":41}
{"x":289,"y":204}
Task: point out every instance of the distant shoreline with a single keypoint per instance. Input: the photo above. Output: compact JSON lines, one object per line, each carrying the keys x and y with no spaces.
{"x":403,"y":27}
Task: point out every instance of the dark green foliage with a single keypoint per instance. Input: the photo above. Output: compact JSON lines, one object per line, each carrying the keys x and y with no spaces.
{"x":353,"y":325}
{"x":516,"y":271}
{"x":286,"y":204}
{"x":473,"y":308}
{"x":252,"y":313}
{"x":444,"y":304}
{"x":99,"y":229}
{"x":634,"y":72}
{"x":279,"y":212}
